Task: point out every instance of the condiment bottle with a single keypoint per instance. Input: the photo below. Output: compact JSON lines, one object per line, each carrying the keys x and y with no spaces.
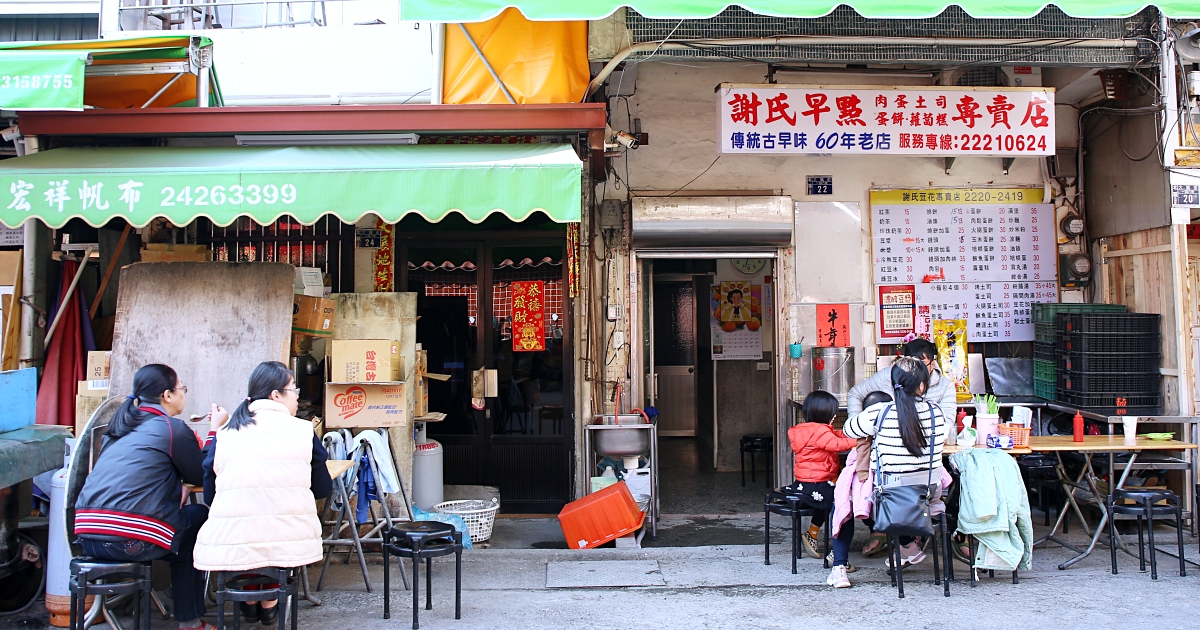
{"x":1078,"y":428}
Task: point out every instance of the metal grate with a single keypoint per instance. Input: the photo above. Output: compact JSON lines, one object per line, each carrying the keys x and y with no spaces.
{"x":982,"y":77}
{"x":1051,"y":23}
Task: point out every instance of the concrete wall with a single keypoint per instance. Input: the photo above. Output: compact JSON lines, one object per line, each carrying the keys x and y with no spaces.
{"x":676,"y":105}
{"x":745,"y":394}
{"x":1123,"y":195}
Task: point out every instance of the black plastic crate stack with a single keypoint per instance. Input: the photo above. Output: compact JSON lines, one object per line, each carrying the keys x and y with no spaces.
{"x":1109,"y":362}
{"x":1045,"y":342}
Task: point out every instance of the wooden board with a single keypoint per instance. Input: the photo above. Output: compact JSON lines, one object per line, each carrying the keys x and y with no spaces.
{"x":1144,"y":283}
{"x":211,"y":322}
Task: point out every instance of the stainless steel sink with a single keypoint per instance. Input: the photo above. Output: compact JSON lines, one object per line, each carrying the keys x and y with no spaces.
{"x":628,"y":438}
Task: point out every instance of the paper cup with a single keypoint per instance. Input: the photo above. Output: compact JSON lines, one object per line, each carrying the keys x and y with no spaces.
{"x":1130,"y":426}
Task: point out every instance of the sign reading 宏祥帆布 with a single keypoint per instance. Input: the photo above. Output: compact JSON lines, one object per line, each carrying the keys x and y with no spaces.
{"x":850,"y":120}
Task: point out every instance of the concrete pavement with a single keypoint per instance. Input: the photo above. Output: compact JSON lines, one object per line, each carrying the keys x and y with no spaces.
{"x":728,"y":586}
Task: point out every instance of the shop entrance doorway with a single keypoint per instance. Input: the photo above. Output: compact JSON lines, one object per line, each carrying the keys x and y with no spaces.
{"x":707,"y":382}
{"x":522,"y":440}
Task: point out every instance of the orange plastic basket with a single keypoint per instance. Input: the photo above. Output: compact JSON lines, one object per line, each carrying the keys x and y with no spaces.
{"x":600,"y":517}
{"x":1018,"y":433}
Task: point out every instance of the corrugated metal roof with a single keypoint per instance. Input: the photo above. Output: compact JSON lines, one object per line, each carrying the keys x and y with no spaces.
{"x":49,"y":28}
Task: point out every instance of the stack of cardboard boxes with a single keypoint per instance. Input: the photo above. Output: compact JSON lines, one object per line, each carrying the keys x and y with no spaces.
{"x":366,"y":385}
{"x":167,"y":252}
{"x":93,"y":390}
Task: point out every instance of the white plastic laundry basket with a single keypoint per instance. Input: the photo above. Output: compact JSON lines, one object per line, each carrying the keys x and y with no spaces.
{"x":478,"y":515}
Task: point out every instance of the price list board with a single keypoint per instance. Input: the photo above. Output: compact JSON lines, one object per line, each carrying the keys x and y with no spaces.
{"x":983,"y":255}
{"x":995,"y":311}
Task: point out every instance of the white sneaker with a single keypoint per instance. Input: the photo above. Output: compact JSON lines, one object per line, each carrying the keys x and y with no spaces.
{"x":837,"y":578}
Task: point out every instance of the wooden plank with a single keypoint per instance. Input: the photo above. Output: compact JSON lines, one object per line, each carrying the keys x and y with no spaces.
{"x":212,"y":322}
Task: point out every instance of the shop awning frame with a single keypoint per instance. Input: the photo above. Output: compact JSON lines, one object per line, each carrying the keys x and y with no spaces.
{"x":138,"y":72}
{"x":306,"y":183}
{"x":482,"y":10}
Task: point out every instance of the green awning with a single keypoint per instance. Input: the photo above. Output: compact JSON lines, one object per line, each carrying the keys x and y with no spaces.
{"x":50,"y":79}
{"x":304,"y":182}
{"x":480,"y":10}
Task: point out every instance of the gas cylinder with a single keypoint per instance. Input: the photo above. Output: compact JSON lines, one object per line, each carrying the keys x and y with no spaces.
{"x":58,"y":552}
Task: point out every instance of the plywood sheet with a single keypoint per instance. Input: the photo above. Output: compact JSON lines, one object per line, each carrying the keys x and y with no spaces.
{"x":1144,"y":283}
{"x":211,"y":322}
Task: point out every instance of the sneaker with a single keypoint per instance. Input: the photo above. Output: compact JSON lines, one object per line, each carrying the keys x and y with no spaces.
{"x":850,"y":568}
{"x":810,"y":544}
{"x":910,"y":554}
{"x":837,"y":578}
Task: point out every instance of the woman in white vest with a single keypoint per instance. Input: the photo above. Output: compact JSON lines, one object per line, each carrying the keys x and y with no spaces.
{"x":263,"y":473}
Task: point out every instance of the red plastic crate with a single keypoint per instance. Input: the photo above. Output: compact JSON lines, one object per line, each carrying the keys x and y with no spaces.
{"x":600,"y":517}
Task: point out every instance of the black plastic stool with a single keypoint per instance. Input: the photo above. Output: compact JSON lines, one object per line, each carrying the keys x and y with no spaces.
{"x":789,"y":505}
{"x":119,"y":578}
{"x":422,"y":540}
{"x":1144,"y":507}
{"x":940,"y":543}
{"x":756,"y":443}
{"x":232,"y":587}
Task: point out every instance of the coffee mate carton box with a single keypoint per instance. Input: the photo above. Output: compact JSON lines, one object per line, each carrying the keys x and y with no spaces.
{"x":365,"y":405}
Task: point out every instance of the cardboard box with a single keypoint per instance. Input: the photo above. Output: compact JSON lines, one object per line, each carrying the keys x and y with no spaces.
{"x":173,"y":247}
{"x":367,"y":405}
{"x":422,"y":366}
{"x":313,"y":315}
{"x":421,"y":393}
{"x":93,"y":389}
{"x":301,"y":344}
{"x":98,"y":365}
{"x":366,"y":361}
{"x":84,"y":408}
{"x":310,"y":281}
{"x":151,"y":255}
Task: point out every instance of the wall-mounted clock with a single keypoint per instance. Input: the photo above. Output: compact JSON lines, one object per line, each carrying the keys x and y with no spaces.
{"x":749,"y":266}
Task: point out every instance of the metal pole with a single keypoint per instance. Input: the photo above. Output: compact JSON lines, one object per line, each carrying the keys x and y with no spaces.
{"x":87,"y":253}
{"x":164,"y":89}
{"x":487,"y":64}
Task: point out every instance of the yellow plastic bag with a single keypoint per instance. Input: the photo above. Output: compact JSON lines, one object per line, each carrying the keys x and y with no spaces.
{"x":950,"y":336}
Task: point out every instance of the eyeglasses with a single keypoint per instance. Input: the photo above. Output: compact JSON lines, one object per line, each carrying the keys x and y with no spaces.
{"x":181,"y":388}
{"x":292,"y":389}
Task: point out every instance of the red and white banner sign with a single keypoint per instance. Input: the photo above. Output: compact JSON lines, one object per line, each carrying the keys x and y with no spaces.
{"x":931,"y":121}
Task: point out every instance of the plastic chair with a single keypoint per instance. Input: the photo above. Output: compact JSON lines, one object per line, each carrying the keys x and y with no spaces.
{"x":1144,"y":507}
{"x":232,"y":587}
{"x":104,"y":578}
{"x":422,"y":540}
{"x":784,"y":504}
{"x":756,"y":443}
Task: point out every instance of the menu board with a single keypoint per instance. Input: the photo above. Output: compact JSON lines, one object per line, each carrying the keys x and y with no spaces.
{"x":983,"y":255}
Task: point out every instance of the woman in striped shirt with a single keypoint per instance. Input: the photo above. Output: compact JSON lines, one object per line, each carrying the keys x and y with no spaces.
{"x":901,"y":455}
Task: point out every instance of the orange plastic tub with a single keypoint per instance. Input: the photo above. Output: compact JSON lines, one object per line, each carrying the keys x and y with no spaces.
{"x":600,"y":517}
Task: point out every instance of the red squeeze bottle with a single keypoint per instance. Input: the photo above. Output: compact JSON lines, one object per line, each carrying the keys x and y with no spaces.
{"x":1078,"y":429}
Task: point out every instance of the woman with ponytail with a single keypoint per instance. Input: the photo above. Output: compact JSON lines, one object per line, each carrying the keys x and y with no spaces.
{"x":131,"y":506}
{"x":263,"y":473}
{"x":903,"y":431}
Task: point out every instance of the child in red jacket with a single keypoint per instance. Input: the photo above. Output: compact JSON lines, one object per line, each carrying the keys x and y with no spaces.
{"x":816,"y":467}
